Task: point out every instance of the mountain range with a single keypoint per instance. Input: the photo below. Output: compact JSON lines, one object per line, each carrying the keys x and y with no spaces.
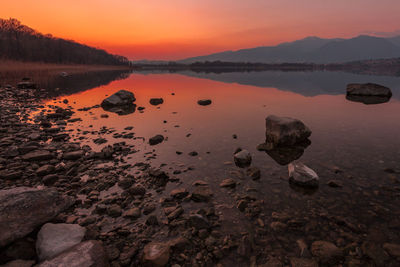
{"x":312,"y":50}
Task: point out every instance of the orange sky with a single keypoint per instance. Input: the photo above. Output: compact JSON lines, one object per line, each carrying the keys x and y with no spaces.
{"x":174,"y":29}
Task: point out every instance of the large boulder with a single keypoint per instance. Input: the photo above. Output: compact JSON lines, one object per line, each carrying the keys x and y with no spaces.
{"x":53,"y":239}
{"x":301,"y":175}
{"x":368,"y":89}
{"x":22,"y":209}
{"x":120,"y":98}
{"x":285,"y":131}
{"x":86,"y":254}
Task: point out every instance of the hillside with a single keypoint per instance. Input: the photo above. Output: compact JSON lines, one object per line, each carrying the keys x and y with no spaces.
{"x":22,"y":43}
{"x":312,"y":50}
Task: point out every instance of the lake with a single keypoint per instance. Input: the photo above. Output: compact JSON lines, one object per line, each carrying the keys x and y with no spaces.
{"x":355,"y":148}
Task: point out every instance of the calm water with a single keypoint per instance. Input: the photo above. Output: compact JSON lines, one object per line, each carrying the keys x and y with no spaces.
{"x":351,"y":142}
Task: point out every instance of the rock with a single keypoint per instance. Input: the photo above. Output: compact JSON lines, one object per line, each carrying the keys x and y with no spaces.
{"x":156,"y":139}
{"x":19,"y":263}
{"x":368,"y":89}
{"x":228,"y":183}
{"x":26,"y":85}
{"x":375,"y":252}
{"x":38,"y":155}
{"x":45,"y":169}
{"x":204,"y":102}
{"x":22,"y":209}
{"x":53,"y":239}
{"x":86,"y":254}
{"x":137,"y":190}
{"x":254,"y":173}
{"x":132,"y":213}
{"x":156,"y":101}
{"x":285,"y":131}
{"x":199,"y":222}
{"x":302,"y":262}
{"x":335,"y":183}
{"x":301,"y":175}
{"x":179,"y":193}
{"x":120,"y":98}
{"x":74,"y":155}
{"x":368,"y":100}
{"x":114,"y":211}
{"x":50,"y":179}
{"x":201,"y":194}
{"x":156,"y":254}
{"x":326,"y":252}
{"x":283,"y":155}
{"x":242,"y":158}
{"x":392,"y":249}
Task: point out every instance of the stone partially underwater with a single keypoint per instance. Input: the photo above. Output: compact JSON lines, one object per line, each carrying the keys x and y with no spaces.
{"x":286,"y":139}
{"x":121,"y":103}
{"x":368,"y":93}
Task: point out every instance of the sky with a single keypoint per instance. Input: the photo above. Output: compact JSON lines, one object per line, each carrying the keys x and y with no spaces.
{"x":176,"y":29}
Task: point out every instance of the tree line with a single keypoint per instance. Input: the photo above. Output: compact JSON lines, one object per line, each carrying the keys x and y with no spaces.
{"x":22,"y":43}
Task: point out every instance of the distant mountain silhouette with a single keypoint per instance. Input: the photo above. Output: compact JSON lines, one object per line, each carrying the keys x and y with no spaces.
{"x":22,"y":43}
{"x":312,"y":50}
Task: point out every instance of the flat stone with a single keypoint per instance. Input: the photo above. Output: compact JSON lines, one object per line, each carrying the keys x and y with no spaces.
{"x":392,"y":249}
{"x":156,"y":101}
{"x":132,"y":213}
{"x":73,"y":155}
{"x":53,"y":239}
{"x":368,"y":89}
{"x":23,"y":209}
{"x":19,"y":263}
{"x":38,"y":155}
{"x":155,"y":140}
{"x":204,"y":102}
{"x":45,"y":169}
{"x":86,"y":254}
{"x":228,"y":183}
{"x":201,"y":194}
{"x":179,"y":193}
{"x":198,"y":221}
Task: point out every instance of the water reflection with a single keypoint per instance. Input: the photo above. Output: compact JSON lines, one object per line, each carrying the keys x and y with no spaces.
{"x":368,"y":100}
{"x":283,"y":155}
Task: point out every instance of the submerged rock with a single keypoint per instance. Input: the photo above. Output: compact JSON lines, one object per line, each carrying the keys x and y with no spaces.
{"x":242,"y":158}
{"x":120,"y":98}
{"x":86,"y":254}
{"x":368,"y":89}
{"x":22,"y":209}
{"x":156,"y":101}
{"x":285,"y":131}
{"x":300,"y":174}
{"x":53,"y":239}
{"x":204,"y":102}
{"x":156,"y":254}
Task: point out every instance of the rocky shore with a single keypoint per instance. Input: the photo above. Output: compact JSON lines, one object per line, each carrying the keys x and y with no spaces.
{"x":63,"y":204}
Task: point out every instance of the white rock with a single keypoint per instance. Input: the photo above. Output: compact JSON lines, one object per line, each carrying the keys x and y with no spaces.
{"x":302,"y":175}
{"x":55,"y":238}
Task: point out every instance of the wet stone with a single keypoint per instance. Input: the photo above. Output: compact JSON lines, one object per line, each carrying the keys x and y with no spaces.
{"x":156,"y":254}
{"x":179,"y":193}
{"x":242,"y":158}
{"x":201,"y":194}
{"x":157,"y":139}
{"x":228,"y":183}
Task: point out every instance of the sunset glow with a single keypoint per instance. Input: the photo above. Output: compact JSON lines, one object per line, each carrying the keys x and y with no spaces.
{"x":181,"y":28}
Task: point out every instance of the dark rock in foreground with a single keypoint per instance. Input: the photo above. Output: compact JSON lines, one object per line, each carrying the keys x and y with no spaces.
{"x":156,"y":101}
{"x":204,"y":102}
{"x":120,"y":98}
{"x":285,"y":131}
{"x":22,"y":209}
{"x":86,"y":254}
{"x":242,"y":158}
{"x":368,"y":89}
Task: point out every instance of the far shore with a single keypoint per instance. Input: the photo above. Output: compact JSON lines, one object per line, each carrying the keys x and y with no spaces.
{"x":11,"y":66}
